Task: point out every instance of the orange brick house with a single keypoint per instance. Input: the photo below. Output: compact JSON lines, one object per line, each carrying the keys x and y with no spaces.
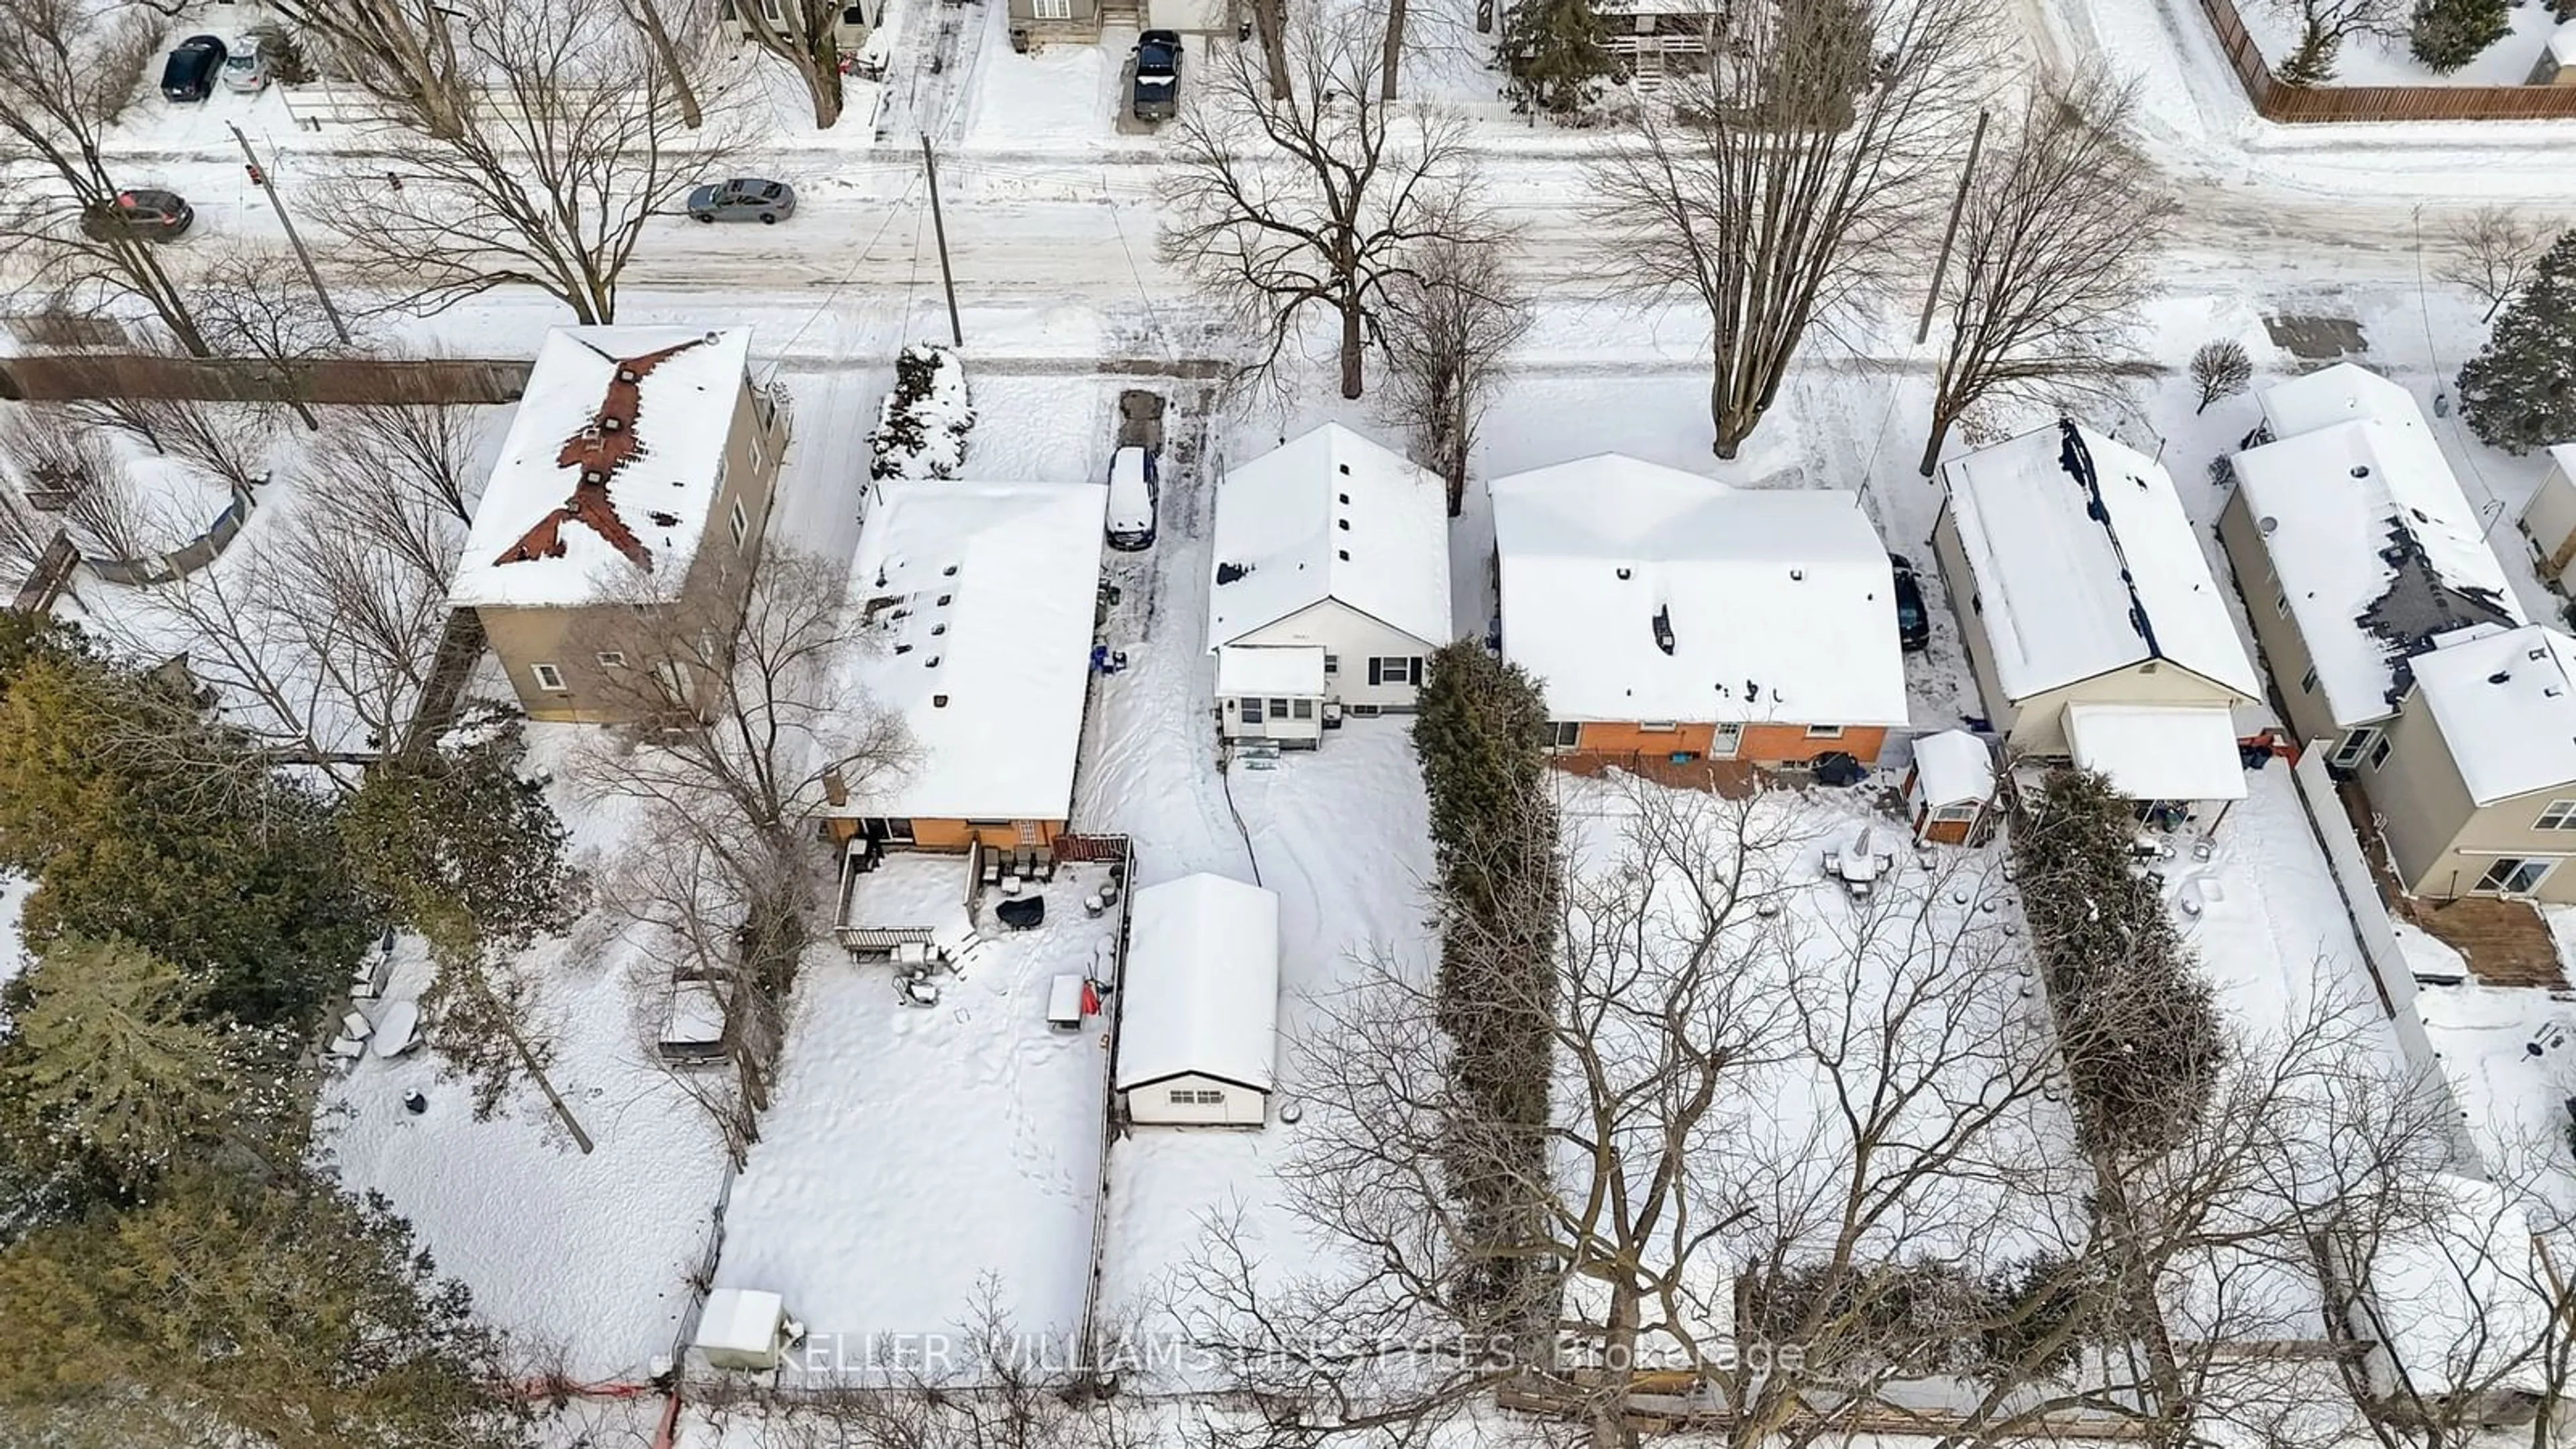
{"x":1672,"y":619}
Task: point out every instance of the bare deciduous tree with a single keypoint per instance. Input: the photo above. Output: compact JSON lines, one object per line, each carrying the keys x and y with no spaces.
{"x":67,"y":72}
{"x":2219,"y":369}
{"x":2492,"y":251}
{"x":806,"y":35}
{"x":676,"y":67}
{"x":403,"y":52}
{"x":549,"y":184}
{"x":1453,"y":316}
{"x":742,"y":734}
{"x":1790,"y":181}
{"x":427,"y":447}
{"x":2056,"y":251}
{"x":253,"y":302}
{"x":1324,"y":197}
{"x":2324,"y":25}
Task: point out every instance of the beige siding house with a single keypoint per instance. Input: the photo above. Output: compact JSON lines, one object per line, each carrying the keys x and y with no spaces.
{"x":2475,"y":782}
{"x":2548,"y":521}
{"x":637,"y":474}
{"x":1055,"y":19}
{"x":2397,"y":644}
{"x":2093,"y":626}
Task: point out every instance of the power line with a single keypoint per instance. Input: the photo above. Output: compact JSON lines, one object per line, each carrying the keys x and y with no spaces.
{"x":858,"y":260}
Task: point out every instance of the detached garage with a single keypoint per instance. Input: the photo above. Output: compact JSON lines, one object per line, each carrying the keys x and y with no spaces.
{"x":1198,"y":1008}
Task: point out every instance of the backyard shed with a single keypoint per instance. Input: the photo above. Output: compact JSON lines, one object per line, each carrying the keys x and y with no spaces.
{"x":1950,"y":787}
{"x":1198,"y":1004}
{"x":744,"y":1328}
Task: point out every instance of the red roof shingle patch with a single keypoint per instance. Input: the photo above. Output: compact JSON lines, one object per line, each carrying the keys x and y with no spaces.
{"x":603,"y":446}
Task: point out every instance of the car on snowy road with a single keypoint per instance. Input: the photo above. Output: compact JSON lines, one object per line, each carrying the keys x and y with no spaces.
{"x":1158,"y":75}
{"x":745,"y":198}
{"x":143,"y":211}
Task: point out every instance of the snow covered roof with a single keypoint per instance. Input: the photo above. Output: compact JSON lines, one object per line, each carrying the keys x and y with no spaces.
{"x":1286,"y":670}
{"x":2458,"y":1307}
{"x":2341,"y":393}
{"x":2159,"y":751}
{"x":1953,"y":766}
{"x":740,"y":1320}
{"x":610,"y":468}
{"x":2562,"y":43}
{"x":2505,"y":701}
{"x":1200,"y":995}
{"x":1331,"y":515}
{"x":2563,"y":455}
{"x":1639,"y":592}
{"x":979,"y":598}
{"x":2370,"y":538}
{"x":2085,"y":563}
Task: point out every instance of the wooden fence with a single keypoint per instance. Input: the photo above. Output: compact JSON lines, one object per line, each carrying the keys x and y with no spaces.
{"x":2301,"y":105}
{"x":54,"y":377}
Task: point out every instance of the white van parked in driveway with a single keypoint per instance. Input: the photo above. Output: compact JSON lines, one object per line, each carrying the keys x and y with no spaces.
{"x":1133,"y":486}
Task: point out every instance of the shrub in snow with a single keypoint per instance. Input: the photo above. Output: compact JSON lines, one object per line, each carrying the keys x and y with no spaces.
{"x":2449,"y":34}
{"x":2134,"y":1020}
{"x":2220,"y":369}
{"x":922,"y":426}
{"x":1924,"y":1316}
{"x":2520,"y":392}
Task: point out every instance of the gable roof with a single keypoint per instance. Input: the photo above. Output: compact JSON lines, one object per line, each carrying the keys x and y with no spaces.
{"x":2341,"y":393}
{"x":2085,"y":563}
{"x":610,"y":468}
{"x":2373,"y":544}
{"x":1331,"y":515}
{"x":2505,"y":702}
{"x":1200,"y":992}
{"x":976,"y":600}
{"x":1633,"y":591}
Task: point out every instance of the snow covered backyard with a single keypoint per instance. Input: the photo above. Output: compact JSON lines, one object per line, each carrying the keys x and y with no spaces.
{"x":923,"y":1164}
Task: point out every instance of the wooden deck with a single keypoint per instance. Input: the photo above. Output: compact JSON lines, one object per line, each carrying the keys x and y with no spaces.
{"x":2505,"y":942}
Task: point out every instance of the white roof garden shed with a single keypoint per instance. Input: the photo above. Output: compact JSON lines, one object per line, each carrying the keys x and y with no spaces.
{"x":1198,"y":1004}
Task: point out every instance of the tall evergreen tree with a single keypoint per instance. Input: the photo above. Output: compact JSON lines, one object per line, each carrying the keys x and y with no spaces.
{"x":106,"y":1062}
{"x":1482,"y":737}
{"x":464,"y":848}
{"x":1560,"y":51}
{"x":2448,"y":34}
{"x":277,"y":1309}
{"x":2520,"y":392}
{"x":139,"y":818}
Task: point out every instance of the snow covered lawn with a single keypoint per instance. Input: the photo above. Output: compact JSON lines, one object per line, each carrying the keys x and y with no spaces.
{"x":915,"y":1158}
{"x":1341,"y":834}
{"x":587,"y":1257}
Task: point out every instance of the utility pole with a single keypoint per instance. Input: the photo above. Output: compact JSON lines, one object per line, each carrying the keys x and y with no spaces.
{"x":939,"y":228}
{"x":1950,"y":235}
{"x":259,"y":177}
